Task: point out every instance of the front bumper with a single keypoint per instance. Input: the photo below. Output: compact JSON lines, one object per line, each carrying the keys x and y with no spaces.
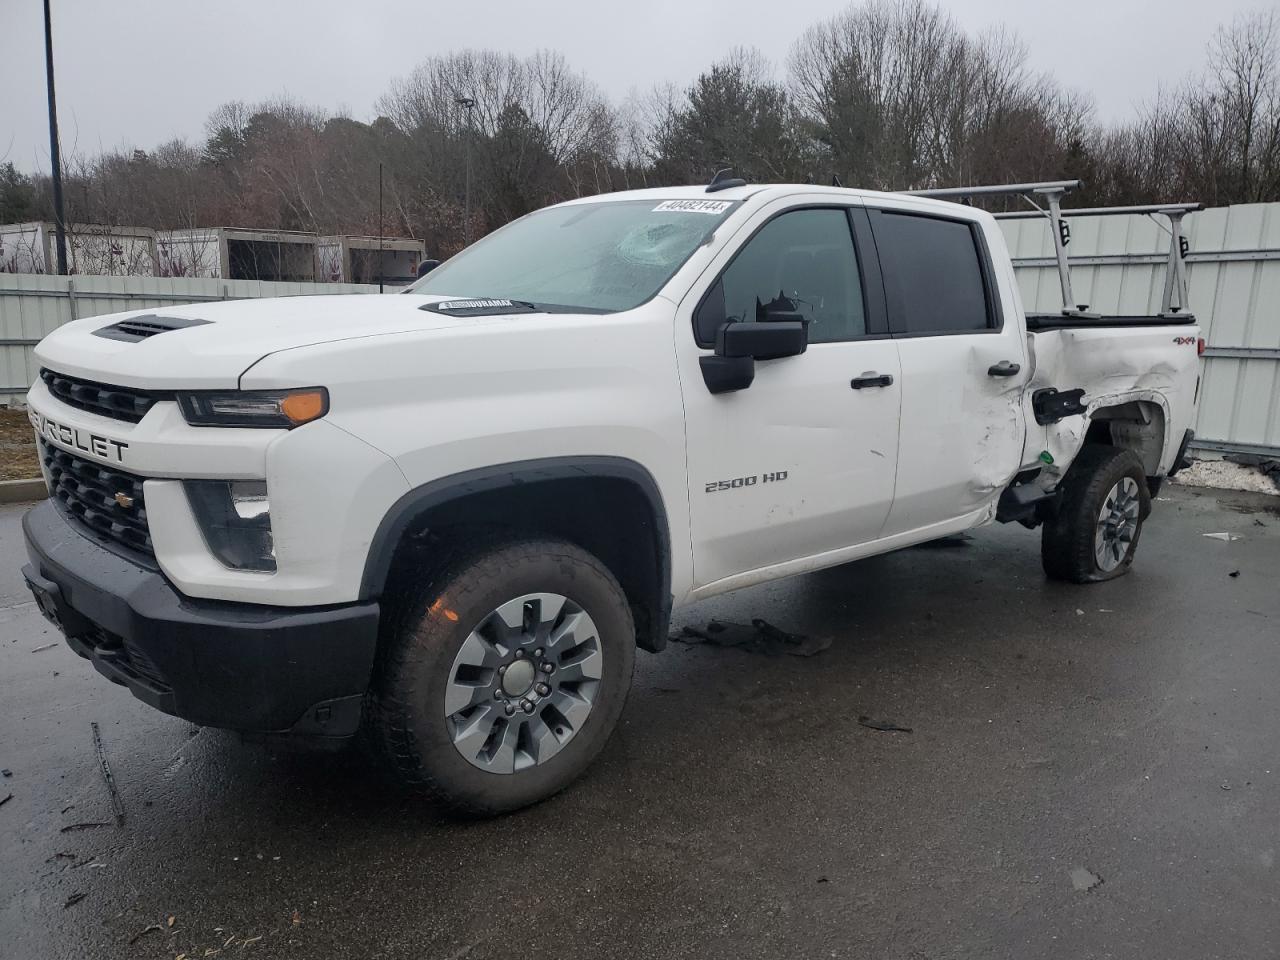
{"x":247,"y":667}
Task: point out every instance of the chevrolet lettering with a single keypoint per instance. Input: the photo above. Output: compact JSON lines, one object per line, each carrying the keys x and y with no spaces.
{"x":107,"y":448}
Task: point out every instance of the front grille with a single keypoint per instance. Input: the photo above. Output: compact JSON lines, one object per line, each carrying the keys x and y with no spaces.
{"x":118,"y":403}
{"x":88,"y":491}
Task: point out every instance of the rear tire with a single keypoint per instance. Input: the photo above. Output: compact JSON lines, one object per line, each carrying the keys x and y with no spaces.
{"x":501,"y":676}
{"x":1099,"y":519}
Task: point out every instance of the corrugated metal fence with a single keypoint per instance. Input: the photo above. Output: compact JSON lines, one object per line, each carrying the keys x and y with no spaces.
{"x":1118,"y":267}
{"x":34,"y":305}
{"x":1233,"y":279}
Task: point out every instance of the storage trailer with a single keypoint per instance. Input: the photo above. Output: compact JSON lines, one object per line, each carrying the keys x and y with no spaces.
{"x":93,"y":249}
{"x":389,"y":260}
{"x":236,"y":253}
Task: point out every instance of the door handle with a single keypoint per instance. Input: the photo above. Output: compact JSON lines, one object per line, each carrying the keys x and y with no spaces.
{"x":871,"y":379}
{"x":1003,"y":369}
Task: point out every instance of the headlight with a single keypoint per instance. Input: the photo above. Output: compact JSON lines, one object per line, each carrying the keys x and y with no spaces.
{"x":235,"y":518}
{"x":254,"y":408}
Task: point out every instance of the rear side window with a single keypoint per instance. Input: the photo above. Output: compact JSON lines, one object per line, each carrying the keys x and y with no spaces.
{"x":935,"y":266}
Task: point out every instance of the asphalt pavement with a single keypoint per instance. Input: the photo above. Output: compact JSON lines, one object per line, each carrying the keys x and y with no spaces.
{"x":1089,"y":772}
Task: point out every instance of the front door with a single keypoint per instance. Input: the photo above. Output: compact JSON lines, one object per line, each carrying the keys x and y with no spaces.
{"x":802,"y":461}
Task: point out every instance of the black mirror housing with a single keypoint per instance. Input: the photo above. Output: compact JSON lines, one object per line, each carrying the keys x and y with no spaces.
{"x":726,"y":374}
{"x":770,"y":340}
{"x":740,"y":345}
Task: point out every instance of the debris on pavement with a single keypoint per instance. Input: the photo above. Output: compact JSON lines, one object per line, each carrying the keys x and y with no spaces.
{"x":5,"y":799}
{"x":886,"y":725}
{"x":1234,"y":573}
{"x":116,"y":804}
{"x":1226,"y":537}
{"x":47,"y":646}
{"x":1085,"y":880}
{"x":74,"y":899}
{"x":758,"y":637}
{"x":6,"y":772}
{"x":87,"y":825}
{"x":149,"y":928}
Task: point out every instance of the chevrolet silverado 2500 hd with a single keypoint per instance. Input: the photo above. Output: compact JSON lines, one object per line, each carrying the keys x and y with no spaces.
{"x":448,"y":517}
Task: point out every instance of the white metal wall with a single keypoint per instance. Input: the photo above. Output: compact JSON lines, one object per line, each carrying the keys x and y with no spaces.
{"x":1233,"y":277}
{"x":33,"y":305}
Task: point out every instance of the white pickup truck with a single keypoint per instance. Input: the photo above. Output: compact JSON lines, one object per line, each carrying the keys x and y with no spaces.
{"x":447,"y":518}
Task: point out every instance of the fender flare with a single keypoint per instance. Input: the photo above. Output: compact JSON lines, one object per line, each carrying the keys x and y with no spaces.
{"x":399,"y":518}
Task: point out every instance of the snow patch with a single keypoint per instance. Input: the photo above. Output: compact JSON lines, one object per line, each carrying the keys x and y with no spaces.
{"x":1224,"y":475}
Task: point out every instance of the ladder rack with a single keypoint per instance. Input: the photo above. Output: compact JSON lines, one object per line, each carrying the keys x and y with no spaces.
{"x":1050,"y":193}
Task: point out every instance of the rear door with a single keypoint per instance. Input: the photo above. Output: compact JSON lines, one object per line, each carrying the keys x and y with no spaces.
{"x":964,"y":364}
{"x":801,"y":462}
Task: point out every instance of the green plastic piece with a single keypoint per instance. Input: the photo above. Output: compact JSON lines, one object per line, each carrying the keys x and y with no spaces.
{"x":1046,"y":456}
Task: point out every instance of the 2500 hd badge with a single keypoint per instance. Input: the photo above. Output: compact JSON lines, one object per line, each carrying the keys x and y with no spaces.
{"x":99,"y":446}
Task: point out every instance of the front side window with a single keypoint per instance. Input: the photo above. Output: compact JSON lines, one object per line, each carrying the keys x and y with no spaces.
{"x":936,"y":268}
{"x":592,"y":257}
{"x":800,"y":264}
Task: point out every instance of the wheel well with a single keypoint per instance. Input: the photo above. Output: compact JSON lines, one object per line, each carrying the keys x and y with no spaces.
{"x":617,"y":518}
{"x":1137,"y":425}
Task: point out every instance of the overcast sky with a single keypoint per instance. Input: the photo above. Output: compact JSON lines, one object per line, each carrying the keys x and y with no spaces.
{"x":138,"y":72}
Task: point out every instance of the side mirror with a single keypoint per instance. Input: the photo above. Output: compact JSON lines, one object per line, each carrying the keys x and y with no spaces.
{"x":426,"y":266}
{"x":740,"y":345}
{"x":763,"y":341}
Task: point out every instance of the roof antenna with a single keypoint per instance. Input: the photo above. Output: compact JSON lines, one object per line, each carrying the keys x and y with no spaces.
{"x":835,"y":181}
{"x":724,"y":179}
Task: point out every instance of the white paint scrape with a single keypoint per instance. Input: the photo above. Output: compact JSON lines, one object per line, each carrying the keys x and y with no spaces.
{"x":1225,"y":475}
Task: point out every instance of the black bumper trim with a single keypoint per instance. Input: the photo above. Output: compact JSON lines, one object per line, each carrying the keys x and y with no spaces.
{"x":238,"y":666}
{"x":1180,"y":462}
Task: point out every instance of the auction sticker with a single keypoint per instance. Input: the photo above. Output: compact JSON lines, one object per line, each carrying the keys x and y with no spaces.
{"x":713,"y":207}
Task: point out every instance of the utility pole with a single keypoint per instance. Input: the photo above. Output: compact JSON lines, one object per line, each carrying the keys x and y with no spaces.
{"x":380,"y":271}
{"x":469,"y":104}
{"x":59,"y":216}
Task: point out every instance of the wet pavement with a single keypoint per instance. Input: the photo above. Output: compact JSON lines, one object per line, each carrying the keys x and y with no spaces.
{"x":1090,"y":772}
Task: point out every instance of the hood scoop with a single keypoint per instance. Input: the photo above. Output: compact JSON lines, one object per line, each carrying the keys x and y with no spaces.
{"x":144,"y":327}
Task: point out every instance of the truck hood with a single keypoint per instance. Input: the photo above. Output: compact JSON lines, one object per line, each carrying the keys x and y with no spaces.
{"x":220,"y":341}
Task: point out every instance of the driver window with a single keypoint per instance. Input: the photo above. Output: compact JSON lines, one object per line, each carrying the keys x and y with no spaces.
{"x":800,"y":265}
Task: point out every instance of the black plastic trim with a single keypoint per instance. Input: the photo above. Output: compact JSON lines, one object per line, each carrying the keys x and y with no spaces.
{"x":146,"y":326}
{"x":1064,"y":321}
{"x":103,"y":399}
{"x":238,"y":666}
{"x":399,"y":519}
{"x":1180,"y":461}
{"x":1051,"y":405}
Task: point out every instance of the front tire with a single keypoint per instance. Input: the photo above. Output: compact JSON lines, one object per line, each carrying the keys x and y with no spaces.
{"x":502,"y":676}
{"x":1094,"y":535}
